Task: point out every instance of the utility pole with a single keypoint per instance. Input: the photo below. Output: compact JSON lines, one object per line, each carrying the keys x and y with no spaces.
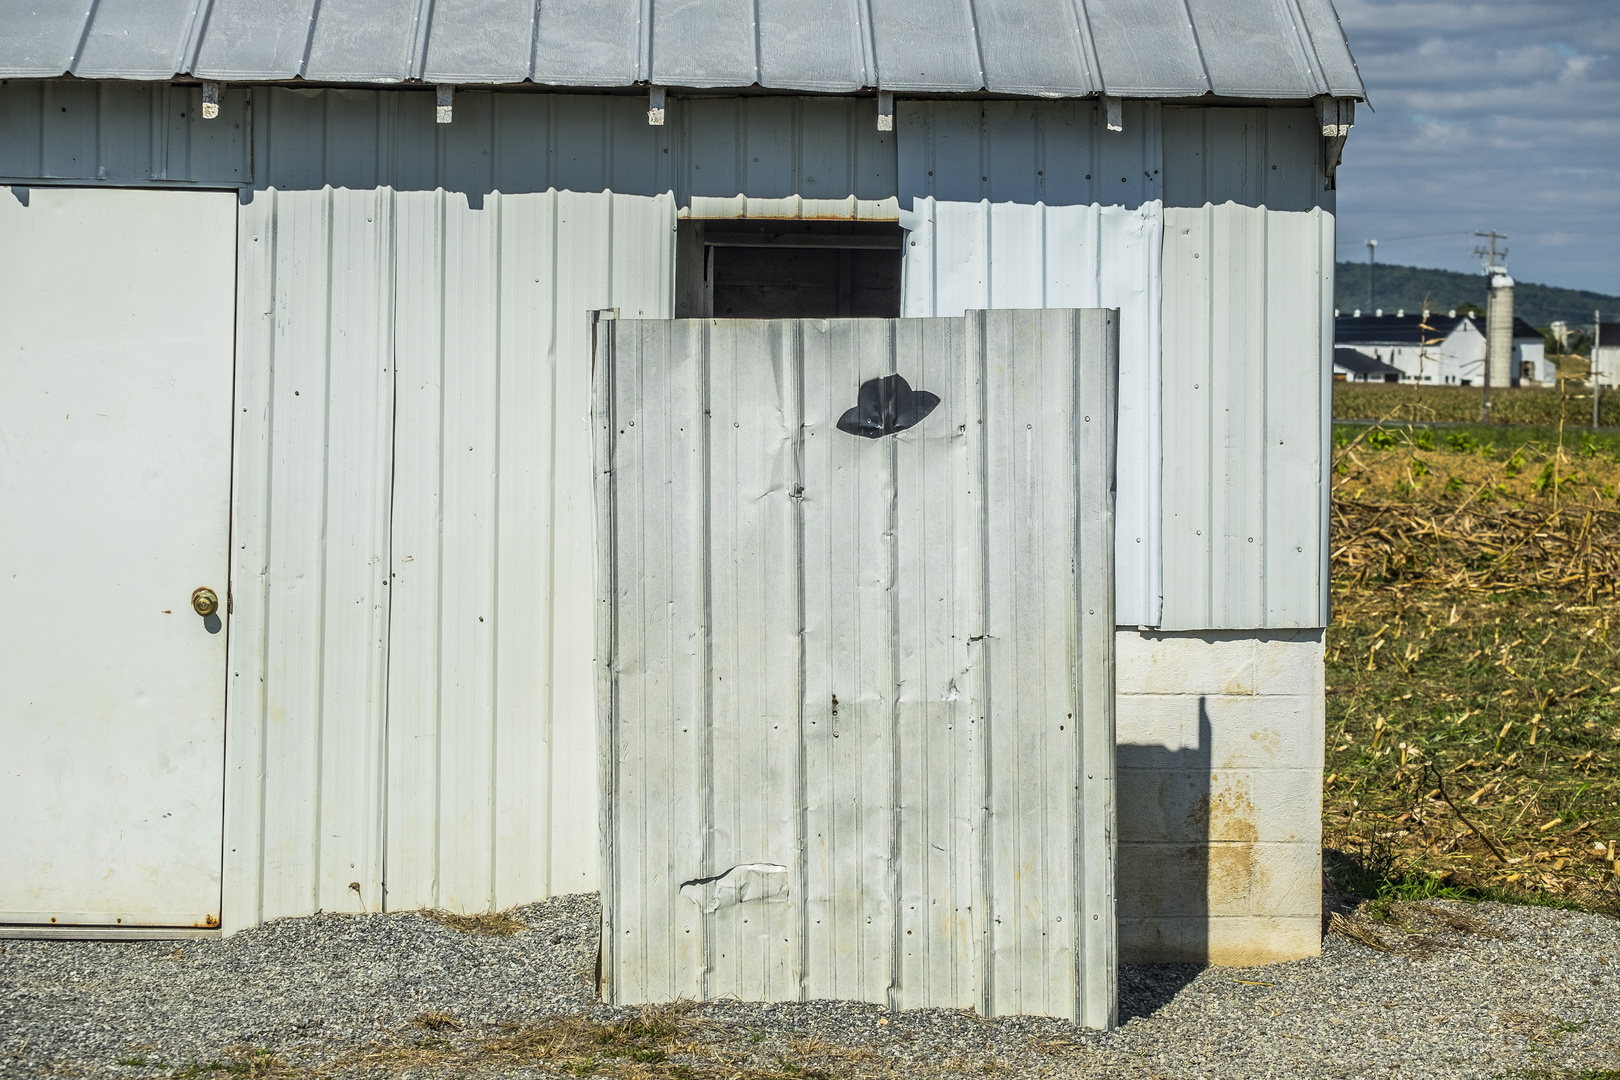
{"x":1372,"y":252}
{"x":1597,"y":328}
{"x":1493,"y":266}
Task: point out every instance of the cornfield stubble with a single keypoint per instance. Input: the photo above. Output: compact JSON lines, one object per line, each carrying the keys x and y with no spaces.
{"x":1473,"y":665}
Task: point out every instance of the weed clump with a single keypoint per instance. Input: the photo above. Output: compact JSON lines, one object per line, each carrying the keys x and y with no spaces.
{"x":486,"y":924}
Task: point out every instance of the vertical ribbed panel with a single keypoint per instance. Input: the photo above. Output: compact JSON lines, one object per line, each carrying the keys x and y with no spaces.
{"x":1254,"y":157}
{"x":857,"y":703}
{"x":122,"y":133}
{"x":418,"y":545}
{"x":491,"y":692}
{"x":1058,"y":153}
{"x":968,"y":256}
{"x":1247,"y":340}
{"x":1036,"y":205}
{"x":778,"y":147}
{"x":132,"y":133}
{"x":314,"y":390}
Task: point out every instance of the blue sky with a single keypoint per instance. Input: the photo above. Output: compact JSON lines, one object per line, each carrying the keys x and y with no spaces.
{"x":1499,"y":114}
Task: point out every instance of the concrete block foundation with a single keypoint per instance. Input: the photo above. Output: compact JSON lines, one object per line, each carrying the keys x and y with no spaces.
{"x":1219,"y":789}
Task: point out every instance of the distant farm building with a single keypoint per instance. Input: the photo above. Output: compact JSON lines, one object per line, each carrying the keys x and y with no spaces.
{"x":1445,"y":350}
{"x":1606,"y":354}
{"x":1350,"y":365}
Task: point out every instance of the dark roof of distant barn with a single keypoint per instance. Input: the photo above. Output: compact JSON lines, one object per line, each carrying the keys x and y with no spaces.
{"x":1263,"y":49}
{"x":1362,"y":364}
{"x":1409,"y":329}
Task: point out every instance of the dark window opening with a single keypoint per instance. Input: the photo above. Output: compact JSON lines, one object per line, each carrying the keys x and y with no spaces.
{"x":788,"y":270}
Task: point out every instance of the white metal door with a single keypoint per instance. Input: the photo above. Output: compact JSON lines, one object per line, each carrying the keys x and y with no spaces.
{"x":116,"y":327}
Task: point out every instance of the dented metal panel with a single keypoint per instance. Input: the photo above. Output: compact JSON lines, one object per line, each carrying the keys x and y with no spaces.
{"x":1061,"y":213}
{"x":1132,"y":48}
{"x":856,"y":700}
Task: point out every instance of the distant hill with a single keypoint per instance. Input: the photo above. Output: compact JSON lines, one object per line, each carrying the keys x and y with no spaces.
{"x":1406,"y":286}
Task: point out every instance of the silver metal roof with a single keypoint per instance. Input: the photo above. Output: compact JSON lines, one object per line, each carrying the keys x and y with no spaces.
{"x":1065,"y":48}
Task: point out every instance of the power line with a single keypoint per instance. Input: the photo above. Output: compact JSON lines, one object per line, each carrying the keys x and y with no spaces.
{"x":1417,"y":236}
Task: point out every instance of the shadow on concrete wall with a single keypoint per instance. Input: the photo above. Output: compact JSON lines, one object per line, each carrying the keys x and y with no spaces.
{"x":1163,"y":870}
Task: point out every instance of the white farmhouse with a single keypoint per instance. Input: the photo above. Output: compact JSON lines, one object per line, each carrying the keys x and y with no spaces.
{"x":1441,"y":350}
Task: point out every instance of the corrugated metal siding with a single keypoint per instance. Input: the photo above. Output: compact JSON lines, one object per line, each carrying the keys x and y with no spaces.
{"x":1248,"y":289}
{"x":1248,"y":297}
{"x":1051,"y":210}
{"x":121,"y":133}
{"x":844,"y":675}
{"x":491,"y":687}
{"x":309,"y":623}
{"x":778,"y":147}
{"x":414,"y":528}
{"x":1253,"y":157}
{"x":514,"y":143}
{"x":306,"y":139}
{"x":1059,"y":153}
{"x":1134,"y":48}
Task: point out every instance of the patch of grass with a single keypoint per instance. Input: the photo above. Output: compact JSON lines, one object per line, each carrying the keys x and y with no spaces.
{"x":1474,"y":747}
{"x":258,"y":1062}
{"x":487,"y":924}
{"x":671,"y":1042}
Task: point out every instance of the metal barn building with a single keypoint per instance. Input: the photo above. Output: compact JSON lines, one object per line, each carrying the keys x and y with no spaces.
{"x":299,"y":602}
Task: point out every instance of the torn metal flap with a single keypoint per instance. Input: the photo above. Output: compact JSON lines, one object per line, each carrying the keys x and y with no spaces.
{"x":766,"y":882}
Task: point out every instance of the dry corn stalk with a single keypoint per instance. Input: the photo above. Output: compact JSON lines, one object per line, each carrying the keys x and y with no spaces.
{"x":1409,"y":546}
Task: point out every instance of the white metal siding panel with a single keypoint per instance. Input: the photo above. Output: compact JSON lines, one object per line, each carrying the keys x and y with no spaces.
{"x":480,"y":620}
{"x":1247,"y":325}
{"x":309,"y":630}
{"x":937,"y":543}
{"x":1024,"y":241}
{"x":653,"y":624}
{"x":491,"y":746}
{"x":852,"y":866}
{"x":121,"y":133}
{"x":854,"y":669}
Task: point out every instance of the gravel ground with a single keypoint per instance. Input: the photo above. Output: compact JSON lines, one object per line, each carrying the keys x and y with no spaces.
{"x":1512,"y":992}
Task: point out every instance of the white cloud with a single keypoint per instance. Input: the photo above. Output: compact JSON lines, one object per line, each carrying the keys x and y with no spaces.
{"x":1489,"y":114}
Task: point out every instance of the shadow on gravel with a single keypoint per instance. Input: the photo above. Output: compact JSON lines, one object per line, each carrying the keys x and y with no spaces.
{"x":1144,"y":989}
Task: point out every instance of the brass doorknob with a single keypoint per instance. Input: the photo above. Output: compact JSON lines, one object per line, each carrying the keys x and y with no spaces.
{"x":205,"y":601}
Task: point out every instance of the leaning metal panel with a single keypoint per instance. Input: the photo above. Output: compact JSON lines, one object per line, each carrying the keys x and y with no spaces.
{"x":855,"y":633}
